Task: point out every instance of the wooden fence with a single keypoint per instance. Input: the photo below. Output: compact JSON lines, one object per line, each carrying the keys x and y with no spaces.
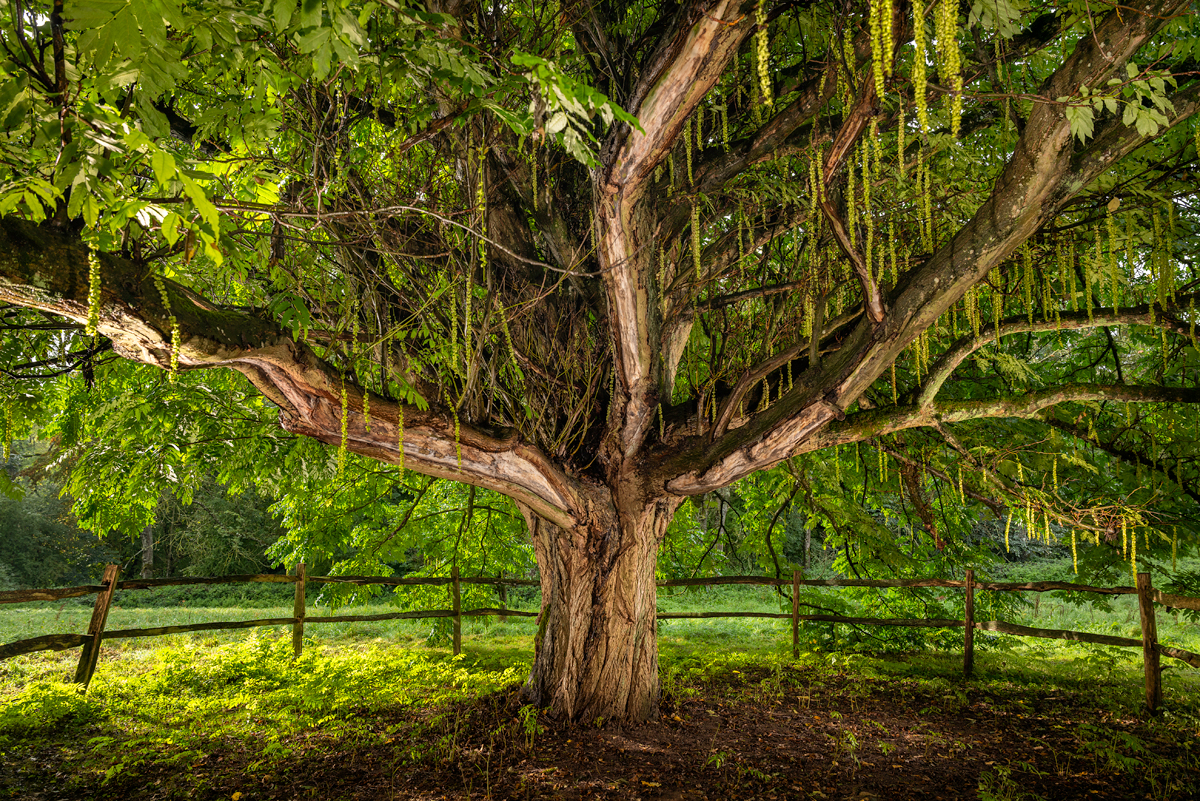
{"x":1152,"y":650}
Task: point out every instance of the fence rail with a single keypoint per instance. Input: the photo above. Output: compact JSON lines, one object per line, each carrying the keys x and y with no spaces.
{"x":97,"y":633}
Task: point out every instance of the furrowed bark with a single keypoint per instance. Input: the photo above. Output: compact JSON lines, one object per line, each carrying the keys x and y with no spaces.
{"x":596,"y":650}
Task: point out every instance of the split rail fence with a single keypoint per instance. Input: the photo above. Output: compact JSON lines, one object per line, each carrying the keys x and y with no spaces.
{"x":90,"y":642}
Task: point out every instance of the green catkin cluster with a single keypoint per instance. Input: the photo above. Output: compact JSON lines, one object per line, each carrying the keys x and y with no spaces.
{"x":533,"y":165}
{"x":880,"y":52}
{"x":1027,"y":280}
{"x":166,"y":302}
{"x":453,"y":328}
{"x":696,"y":238}
{"x":919,"y":79}
{"x":687,"y":148}
{"x":341,"y":455}
{"x":949,"y":59}
{"x":850,"y":192}
{"x":900,"y":132}
{"x":1097,"y":269}
{"x":400,"y":436}
{"x":1007,"y":529}
{"x":8,"y":427}
{"x":763,"y":48}
{"x":1133,"y":556}
{"x":725,"y":124}
{"x":1114,"y":279}
{"x":892,"y":252}
{"x":867,"y":217}
{"x":93,"y":318}
{"x":927,"y":200}
{"x":1074,"y":552}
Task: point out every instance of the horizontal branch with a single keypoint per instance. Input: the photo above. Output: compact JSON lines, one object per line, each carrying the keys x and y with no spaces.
{"x":1178,"y":653}
{"x":957,"y":353}
{"x":44,"y":268}
{"x":877,"y":422}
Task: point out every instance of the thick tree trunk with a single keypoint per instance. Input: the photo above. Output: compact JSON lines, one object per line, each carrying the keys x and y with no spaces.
{"x":596,"y":653}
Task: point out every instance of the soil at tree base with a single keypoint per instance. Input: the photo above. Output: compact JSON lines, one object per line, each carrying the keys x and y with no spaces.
{"x":835,"y":739}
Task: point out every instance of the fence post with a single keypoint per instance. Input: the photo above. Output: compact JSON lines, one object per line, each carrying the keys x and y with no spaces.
{"x":502,"y":594}
{"x":456,"y":597}
{"x":795,"y":614}
{"x":90,"y":654}
{"x":298,"y":612}
{"x":969,"y":631}
{"x":1150,"y":658}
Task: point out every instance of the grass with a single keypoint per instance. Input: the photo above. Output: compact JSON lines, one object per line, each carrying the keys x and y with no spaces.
{"x":159,"y":703}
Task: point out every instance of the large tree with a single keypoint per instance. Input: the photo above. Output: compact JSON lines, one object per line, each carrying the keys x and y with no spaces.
{"x":602,"y":257}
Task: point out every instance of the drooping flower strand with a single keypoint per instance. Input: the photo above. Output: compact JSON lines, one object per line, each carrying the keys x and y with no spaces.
{"x":166,"y":302}
{"x":8,"y":427}
{"x":764,"y":53}
{"x":918,"y":72}
{"x":341,"y":454}
{"x":93,"y":318}
{"x":949,"y":59}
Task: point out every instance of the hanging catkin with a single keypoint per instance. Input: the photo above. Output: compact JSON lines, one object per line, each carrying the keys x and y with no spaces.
{"x":687,"y":148}
{"x":341,"y":454}
{"x":93,"y":318}
{"x":8,"y":427}
{"x":949,"y":59}
{"x":166,"y":302}
{"x":696,"y":238}
{"x":1114,"y":282}
{"x":764,"y":53}
{"x":918,"y":72}
{"x":875,"y":24}
{"x":850,"y":189}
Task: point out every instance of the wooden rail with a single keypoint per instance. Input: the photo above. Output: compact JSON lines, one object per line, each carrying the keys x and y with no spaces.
{"x":1147,"y":597}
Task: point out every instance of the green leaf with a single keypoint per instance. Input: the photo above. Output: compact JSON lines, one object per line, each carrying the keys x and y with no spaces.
{"x":127,"y":38}
{"x":310,"y":14}
{"x":284,"y":9}
{"x":164,"y":167}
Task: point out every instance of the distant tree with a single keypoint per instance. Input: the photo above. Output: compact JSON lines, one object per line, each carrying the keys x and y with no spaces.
{"x":604,"y":257}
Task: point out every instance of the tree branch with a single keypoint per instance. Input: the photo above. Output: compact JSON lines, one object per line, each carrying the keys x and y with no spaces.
{"x":44,"y":269}
{"x":1042,"y":175}
{"x":949,"y":361}
{"x":693,"y":52}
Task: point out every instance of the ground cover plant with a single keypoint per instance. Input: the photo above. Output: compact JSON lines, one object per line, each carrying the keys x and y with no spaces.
{"x":901,"y":265}
{"x":375,"y":711}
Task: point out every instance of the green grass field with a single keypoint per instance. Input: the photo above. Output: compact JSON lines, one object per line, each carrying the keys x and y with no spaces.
{"x":165,"y":705}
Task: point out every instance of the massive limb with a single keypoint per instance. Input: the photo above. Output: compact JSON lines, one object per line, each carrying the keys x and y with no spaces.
{"x":44,"y":268}
{"x":1042,"y":175}
{"x":693,"y":52}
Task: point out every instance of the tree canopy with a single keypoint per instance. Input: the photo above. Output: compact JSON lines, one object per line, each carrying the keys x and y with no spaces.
{"x":603,"y":257}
